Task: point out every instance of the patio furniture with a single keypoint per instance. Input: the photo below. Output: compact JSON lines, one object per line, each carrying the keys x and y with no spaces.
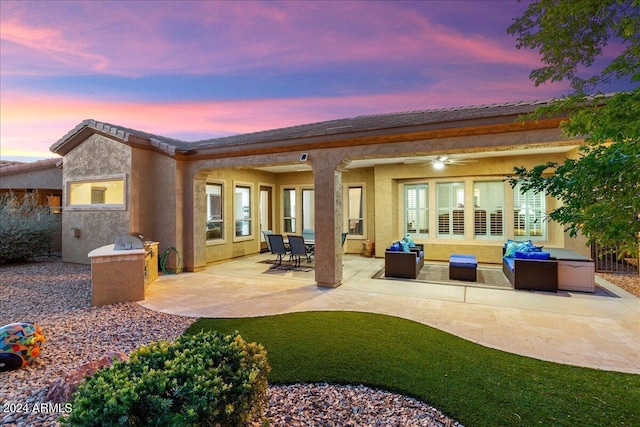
{"x":575,"y":272}
{"x":310,"y":244}
{"x":404,"y":264}
{"x":276,"y":241}
{"x":308,"y":234}
{"x":298,"y":249}
{"x":266,"y":233}
{"x":531,"y":273}
{"x":463,"y":267}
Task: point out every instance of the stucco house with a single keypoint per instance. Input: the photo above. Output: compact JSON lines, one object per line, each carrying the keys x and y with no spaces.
{"x":42,"y":176}
{"x":371,"y":176}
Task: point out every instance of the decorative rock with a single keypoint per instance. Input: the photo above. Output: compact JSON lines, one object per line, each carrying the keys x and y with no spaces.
{"x":58,"y":295}
{"x":24,"y":339}
{"x":62,"y":388}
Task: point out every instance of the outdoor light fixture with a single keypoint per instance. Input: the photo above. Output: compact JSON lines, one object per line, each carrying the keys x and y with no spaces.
{"x":438,"y":164}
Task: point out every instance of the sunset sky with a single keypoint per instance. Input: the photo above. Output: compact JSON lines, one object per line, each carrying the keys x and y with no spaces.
{"x":195,"y":70}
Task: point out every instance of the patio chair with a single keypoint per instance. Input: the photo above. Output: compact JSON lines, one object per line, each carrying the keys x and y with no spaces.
{"x":344,"y":238}
{"x":266,"y":233}
{"x":276,"y":242}
{"x":298,"y":249}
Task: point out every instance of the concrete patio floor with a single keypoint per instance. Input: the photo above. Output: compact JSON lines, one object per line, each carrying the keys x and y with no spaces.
{"x":600,"y":330}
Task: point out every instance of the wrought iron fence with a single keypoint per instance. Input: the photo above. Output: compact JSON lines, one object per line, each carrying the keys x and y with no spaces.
{"x":613,"y":260}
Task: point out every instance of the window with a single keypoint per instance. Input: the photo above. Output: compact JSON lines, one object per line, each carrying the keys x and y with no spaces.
{"x":308,"y":210}
{"x":529,"y":214}
{"x":416,"y":204}
{"x":488,"y":200}
{"x":54,"y":204}
{"x":355,"y":209}
{"x":215,"y":222}
{"x":450,"y":208}
{"x":243,"y":212}
{"x":99,"y":193}
{"x":289,"y":210}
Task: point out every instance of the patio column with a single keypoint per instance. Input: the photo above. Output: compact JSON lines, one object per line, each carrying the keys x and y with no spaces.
{"x":327,"y":170}
{"x":191,"y":243}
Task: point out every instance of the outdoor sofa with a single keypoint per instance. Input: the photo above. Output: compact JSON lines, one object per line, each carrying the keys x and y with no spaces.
{"x":547,"y":270}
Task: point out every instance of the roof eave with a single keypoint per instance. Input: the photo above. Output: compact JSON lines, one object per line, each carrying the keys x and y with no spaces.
{"x":90,"y":127}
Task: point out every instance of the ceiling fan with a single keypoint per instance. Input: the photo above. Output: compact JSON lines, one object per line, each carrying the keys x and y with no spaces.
{"x":439,"y":162}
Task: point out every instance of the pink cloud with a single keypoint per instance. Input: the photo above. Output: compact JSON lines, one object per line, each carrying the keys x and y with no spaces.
{"x":31,"y":123}
{"x":137,"y":38}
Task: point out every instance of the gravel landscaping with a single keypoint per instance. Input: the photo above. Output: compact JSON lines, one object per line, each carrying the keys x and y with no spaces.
{"x":57,"y":297}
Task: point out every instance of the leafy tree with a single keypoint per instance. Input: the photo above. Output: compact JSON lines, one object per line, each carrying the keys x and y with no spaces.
{"x":600,"y":189}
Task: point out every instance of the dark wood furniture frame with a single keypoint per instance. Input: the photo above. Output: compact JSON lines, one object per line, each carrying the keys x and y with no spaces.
{"x":533,"y":274}
{"x":467,"y":272}
{"x":404,"y":264}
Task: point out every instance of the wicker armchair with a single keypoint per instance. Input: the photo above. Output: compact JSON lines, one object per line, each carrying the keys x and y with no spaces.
{"x":404,"y":264}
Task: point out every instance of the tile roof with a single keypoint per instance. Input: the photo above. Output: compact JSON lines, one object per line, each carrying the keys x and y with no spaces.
{"x":163,"y":143}
{"x":375,"y":122}
{"x":10,"y":167}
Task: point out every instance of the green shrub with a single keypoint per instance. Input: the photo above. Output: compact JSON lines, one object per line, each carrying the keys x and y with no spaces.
{"x":207,"y":379}
{"x":25,"y":227}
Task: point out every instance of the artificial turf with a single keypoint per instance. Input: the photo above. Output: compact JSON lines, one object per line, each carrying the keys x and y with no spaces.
{"x":475,"y":385}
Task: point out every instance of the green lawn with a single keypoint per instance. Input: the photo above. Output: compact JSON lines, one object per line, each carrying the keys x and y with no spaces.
{"x":475,"y":385}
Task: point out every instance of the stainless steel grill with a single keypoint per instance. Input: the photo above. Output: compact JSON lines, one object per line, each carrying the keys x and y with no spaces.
{"x":128,"y":242}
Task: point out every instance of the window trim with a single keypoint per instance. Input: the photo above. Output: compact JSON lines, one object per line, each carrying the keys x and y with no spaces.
{"x":363,"y":201}
{"x":97,"y":207}
{"x":427,"y":185}
{"x":488,"y":235}
{"x":544,"y":231}
{"x":252,"y":211}
{"x":223,"y":234}
{"x":313,"y":201}
{"x":293,"y":211}
{"x":451,"y":210}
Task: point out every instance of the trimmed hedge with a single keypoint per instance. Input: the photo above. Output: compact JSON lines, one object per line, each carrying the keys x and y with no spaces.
{"x":25,"y":227}
{"x":207,"y":379}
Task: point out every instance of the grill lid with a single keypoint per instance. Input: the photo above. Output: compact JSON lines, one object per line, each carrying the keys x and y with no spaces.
{"x":128,"y":241}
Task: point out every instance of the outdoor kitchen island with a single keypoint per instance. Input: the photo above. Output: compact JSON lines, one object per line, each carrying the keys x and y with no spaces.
{"x":121,"y":275}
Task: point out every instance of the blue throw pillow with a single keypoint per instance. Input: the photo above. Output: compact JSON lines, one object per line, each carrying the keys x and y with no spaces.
{"x":404,"y":245}
{"x":409,"y":241}
{"x":530,"y":247}
{"x":533,"y":255}
{"x":510,"y":248}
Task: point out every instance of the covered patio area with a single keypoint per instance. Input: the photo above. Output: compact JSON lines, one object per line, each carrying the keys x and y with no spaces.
{"x":600,"y":330}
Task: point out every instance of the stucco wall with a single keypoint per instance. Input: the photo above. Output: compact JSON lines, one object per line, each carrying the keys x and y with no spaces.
{"x":49,"y":179}
{"x":153,"y":197}
{"x":389,"y":182}
{"x":96,"y":158}
{"x":231,"y":246}
{"x":364,"y":176}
